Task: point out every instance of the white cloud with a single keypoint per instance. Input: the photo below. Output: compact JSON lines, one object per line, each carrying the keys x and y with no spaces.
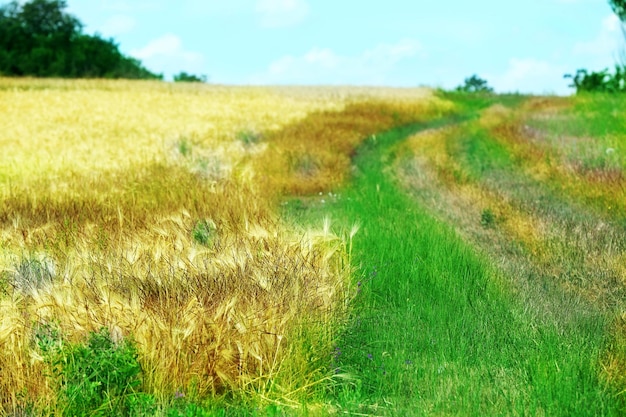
{"x":281,"y":13}
{"x":118,"y":25}
{"x":324,"y":66}
{"x":531,"y":75}
{"x":605,"y":48}
{"x":167,"y":54}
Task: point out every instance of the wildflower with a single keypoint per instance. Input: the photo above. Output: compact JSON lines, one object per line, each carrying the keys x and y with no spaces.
{"x":337,"y":352}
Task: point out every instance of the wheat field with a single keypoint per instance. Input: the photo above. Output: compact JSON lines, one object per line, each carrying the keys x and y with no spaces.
{"x":149,"y":209}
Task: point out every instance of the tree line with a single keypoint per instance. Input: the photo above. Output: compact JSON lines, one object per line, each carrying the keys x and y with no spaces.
{"x":40,"y":39}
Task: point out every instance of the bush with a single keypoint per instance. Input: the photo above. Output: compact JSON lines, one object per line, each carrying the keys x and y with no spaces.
{"x":600,"y":81}
{"x":183,"y":77}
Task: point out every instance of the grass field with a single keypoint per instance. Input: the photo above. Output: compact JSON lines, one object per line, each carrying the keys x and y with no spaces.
{"x":204,"y":250}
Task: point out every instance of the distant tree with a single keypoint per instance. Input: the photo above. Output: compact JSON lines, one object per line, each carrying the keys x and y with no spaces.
{"x":38,"y":38}
{"x":475,"y":84}
{"x":183,"y":77}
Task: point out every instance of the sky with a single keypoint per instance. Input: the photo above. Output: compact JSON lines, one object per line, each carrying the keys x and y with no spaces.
{"x":516,"y":46}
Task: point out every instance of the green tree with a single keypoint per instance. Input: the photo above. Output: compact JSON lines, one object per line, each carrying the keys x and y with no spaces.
{"x":39,"y":38}
{"x":475,"y":84}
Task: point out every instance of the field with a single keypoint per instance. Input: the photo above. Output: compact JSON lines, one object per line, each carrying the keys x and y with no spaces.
{"x":205,"y":250}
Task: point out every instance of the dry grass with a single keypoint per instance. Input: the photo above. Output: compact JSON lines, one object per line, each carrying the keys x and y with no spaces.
{"x":314,"y":154}
{"x":147,"y":208}
{"x":583,"y":166}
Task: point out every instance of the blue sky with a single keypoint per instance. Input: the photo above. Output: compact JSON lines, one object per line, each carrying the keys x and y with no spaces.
{"x":516,"y":46}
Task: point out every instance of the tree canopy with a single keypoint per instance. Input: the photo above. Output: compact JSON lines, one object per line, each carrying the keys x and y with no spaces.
{"x":475,"y":84}
{"x":39,"y":38}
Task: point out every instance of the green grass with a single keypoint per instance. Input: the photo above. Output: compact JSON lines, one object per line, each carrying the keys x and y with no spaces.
{"x":479,"y":153}
{"x":439,"y":329}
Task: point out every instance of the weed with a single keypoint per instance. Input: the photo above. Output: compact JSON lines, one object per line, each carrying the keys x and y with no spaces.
{"x":47,"y":337}
{"x":249,"y":137}
{"x":184,"y":147}
{"x":33,"y":273}
{"x":204,"y":232}
{"x":5,"y":283}
{"x":101,"y":377}
{"x":487,"y":218}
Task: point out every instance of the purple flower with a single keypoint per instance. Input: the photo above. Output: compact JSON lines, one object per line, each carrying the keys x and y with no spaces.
{"x":337,"y":352}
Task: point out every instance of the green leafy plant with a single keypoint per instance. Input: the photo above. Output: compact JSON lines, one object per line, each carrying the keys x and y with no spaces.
{"x":203,"y":232}
{"x":47,"y":337}
{"x":101,"y":377}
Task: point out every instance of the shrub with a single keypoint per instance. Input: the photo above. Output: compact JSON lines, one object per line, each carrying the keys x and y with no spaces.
{"x":600,"y":81}
{"x":184,"y":77}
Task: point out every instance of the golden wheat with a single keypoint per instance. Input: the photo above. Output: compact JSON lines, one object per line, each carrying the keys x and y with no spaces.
{"x":144,"y":208}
